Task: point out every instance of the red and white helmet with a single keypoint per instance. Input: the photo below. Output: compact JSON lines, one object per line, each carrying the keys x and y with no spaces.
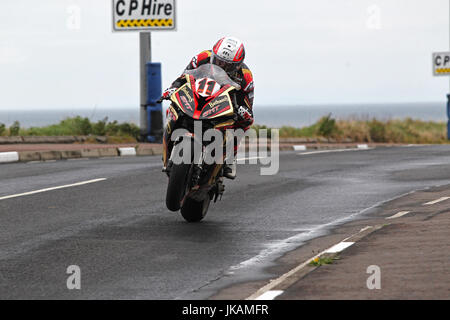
{"x":228,"y":53}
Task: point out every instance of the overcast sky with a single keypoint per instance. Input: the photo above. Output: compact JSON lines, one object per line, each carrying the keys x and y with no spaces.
{"x":62,"y":53}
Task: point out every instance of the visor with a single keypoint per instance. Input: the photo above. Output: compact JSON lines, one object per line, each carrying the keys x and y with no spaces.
{"x":228,"y":66}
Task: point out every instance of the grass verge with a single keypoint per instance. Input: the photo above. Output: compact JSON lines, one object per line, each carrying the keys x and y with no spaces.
{"x":369,"y":130}
{"x":344,"y":130}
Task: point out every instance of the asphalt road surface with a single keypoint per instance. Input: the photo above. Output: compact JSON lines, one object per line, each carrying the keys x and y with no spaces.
{"x":129,"y":246}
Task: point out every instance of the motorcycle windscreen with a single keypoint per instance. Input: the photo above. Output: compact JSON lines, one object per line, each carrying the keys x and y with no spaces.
{"x":184,"y":98}
{"x":219,"y":107}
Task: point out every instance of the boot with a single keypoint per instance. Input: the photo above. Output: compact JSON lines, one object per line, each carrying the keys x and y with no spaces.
{"x":229,"y":170}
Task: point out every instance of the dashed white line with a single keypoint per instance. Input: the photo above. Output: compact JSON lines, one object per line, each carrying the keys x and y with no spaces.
{"x":339,"y":247}
{"x":269,"y":295}
{"x":398,"y":214}
{"x":273,"y":283}
{"x":250,"y":158}
{"x":436,"y":201}
{"x":334,"y":150}
{"x":53,"y":188}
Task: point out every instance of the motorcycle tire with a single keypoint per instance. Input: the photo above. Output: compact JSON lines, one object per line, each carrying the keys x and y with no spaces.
{"x":194,"y":211}
{"x":177,"y":186}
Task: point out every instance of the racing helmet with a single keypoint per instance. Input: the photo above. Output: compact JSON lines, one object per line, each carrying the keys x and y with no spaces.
{"x":228,"y":53}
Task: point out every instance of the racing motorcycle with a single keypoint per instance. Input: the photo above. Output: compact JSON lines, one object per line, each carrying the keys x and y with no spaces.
{"x":208,"y":100}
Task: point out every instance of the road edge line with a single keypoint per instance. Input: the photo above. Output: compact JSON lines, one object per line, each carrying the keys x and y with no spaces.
{"x":330,"y":252}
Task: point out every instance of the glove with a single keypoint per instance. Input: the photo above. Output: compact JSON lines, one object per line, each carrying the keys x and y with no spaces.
{"x":244,"y":113}
{"x":167,"y":93}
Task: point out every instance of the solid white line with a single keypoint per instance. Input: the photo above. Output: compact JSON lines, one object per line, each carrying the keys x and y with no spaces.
{"x":335,"y":150}
{"x":436,"y":201}
{"x":269,"y":295}
{"x":339,"y":247}
{"x":31,"y":162}
{"x":53,"y":188}
{"x":398,"y":214}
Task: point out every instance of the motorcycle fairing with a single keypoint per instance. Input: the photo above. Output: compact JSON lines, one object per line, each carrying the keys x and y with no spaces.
{"x":185,"y":98}
{"x":220,"y":106}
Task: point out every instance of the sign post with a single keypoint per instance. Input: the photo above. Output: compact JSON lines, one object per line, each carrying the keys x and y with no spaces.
{"x":441,"y":67}
{"x":145,"y":16}
{"x":145,"y":52}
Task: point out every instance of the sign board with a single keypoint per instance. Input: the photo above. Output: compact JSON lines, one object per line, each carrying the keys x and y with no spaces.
{"x":143,"y":15}
{"x":441,"y":63}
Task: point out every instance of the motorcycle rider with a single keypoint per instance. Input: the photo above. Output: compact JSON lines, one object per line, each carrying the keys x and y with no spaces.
{"x":228,"y":53}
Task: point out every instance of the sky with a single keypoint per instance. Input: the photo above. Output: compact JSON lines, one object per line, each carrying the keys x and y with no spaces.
{"x":63,"y":54}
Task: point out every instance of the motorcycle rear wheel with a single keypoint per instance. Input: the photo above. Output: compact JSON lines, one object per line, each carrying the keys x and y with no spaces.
{"x":194,"y":211}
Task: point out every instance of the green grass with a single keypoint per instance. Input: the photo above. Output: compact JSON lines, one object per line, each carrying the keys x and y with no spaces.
{"x":78,"y":126}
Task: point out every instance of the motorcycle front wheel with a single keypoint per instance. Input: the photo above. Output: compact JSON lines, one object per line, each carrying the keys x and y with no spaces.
{"x":194,"y":211}
{"x":176,"y":188}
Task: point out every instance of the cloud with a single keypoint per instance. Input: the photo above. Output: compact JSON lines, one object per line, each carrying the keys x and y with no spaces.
{"x":304,"y":51}
{"x":12,"y":55}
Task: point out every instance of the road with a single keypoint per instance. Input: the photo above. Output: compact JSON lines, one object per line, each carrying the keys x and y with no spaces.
{"x":128,"y":246}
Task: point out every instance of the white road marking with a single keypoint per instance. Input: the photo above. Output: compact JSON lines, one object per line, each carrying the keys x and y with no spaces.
{"x":53,"y":188}
{"x":339,"y":247}
{"x":32,"y":162}
{"x":269,"y":295}
{"x":334,"y":150}
{"x":398,"y":214}
{"x":364,"y":229}
{"x":275,"y":282}
{"x":250,"y":158}
{"x":292,"y":243}
{"x":436,"y":201}
{"x":362,"y":146}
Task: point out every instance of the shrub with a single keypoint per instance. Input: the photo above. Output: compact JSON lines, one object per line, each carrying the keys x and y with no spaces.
{"x":377,"y":131}
{"x":326,"y":126}
{"x":14,"y":129}
{"x":2,"y":129}
{"x":99,"y":128}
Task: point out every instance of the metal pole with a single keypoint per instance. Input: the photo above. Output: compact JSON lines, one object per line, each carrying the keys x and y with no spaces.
{"x":145,"y":53}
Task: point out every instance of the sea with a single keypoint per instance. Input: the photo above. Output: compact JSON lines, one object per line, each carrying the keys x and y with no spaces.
{"x":273,"y":116}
